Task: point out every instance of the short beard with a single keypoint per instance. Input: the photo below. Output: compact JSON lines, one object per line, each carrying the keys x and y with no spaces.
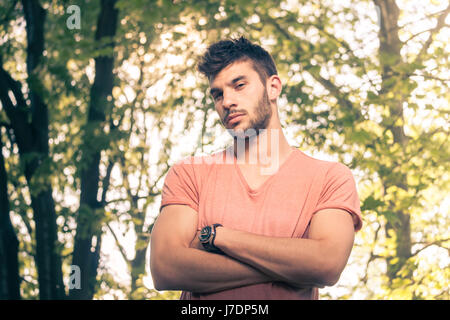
{"x":259,"y":123}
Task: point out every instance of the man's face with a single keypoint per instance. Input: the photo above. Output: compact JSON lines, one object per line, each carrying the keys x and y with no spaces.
{"x":241,"y":99}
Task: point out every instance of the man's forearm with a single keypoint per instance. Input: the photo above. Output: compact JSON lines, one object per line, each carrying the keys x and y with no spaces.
{"x":299,"y":262}
{"x":199,"y":271}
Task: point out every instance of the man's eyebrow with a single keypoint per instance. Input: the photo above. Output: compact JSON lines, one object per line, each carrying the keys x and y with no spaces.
{"x":212,"y":91}
{"x":238,"y":78}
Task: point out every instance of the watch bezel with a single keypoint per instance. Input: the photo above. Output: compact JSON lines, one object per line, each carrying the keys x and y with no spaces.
{"x":205,"y":234}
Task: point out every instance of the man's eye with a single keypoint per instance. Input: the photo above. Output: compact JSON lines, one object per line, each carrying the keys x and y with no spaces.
{"x":240,"y":85}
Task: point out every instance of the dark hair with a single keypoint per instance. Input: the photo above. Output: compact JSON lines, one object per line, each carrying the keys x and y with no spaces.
{"x":223,"y":53}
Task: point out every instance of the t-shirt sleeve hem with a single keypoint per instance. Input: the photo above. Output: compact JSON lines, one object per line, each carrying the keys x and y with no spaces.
{"x":357,"y":219}
{"x":178,"y":201}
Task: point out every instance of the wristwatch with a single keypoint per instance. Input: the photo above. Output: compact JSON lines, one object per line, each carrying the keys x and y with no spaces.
{"x":207,"y":236}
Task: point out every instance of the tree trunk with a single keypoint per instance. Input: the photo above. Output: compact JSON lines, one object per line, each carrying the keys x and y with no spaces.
{"x":48,"y":260}
{"x":9,"y":261}
{"x":32,"y":141}
{"x":390,"y":57}
{"x":89,"y":218}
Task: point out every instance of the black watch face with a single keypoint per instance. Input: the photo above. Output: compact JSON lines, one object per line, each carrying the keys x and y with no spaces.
{"x":205,"y":234}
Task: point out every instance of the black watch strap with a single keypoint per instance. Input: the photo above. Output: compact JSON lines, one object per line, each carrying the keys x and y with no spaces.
{"x":214,"y":226}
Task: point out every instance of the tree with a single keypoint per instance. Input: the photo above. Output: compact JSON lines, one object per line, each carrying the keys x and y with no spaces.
{"x":79,"y":151}
{"x":9,"y":270}
{"x":32,"y":140}
{"x":85,"y":254}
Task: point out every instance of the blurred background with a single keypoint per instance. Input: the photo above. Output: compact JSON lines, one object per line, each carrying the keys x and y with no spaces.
{"x":99,"y":98}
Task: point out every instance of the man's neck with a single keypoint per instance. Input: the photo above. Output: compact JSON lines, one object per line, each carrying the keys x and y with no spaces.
{"x":267,"y":149}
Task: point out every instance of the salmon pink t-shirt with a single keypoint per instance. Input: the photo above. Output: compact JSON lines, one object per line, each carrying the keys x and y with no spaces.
{"x":282,"y":206}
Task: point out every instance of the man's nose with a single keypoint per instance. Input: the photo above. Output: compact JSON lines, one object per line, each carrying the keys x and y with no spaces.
{"x":229,"y":100}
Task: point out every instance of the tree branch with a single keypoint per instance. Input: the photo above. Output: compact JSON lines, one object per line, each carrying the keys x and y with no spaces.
{"x":428,"y":76}
{"x":17,"y":114}
{"x":372,"y":256}
{"x":336,"y":92}
{"x":106,"y":181}
{"x":440,"y":23}
{"x":121,"y":249}
{"x":327,"y":84}
{"x":429,"y":244}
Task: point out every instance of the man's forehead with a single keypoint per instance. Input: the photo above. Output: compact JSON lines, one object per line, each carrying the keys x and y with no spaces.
{"x":234,"y":70}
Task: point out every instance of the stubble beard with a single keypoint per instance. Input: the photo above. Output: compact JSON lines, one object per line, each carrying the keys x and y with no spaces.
{"x":263,"y":114}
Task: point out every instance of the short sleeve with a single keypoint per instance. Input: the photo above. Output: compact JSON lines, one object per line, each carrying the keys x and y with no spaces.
{"x":339,"y":192}
{"x":180,"y":186}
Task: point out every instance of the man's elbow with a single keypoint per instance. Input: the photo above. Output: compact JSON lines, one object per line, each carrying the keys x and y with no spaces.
{"x":160,"y":283}
{"x":160,"y":275}
{"x":320,"y":277}
{"x":330,"y":279}
{"x":330,"y":274}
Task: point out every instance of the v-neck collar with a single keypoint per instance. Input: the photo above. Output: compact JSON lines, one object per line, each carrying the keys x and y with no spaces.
{"x":268,"y":180}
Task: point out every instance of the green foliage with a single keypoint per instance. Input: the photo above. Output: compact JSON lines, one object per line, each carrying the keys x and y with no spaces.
{"x":384,"y":113}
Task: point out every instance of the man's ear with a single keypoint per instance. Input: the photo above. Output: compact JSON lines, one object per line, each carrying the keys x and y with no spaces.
{"x":274,"y":87}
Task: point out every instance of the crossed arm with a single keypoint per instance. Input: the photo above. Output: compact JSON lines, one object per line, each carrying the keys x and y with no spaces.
{"x":178,"y":261}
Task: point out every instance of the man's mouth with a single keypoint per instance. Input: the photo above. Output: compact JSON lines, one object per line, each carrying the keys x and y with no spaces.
{"x":233,"y":116}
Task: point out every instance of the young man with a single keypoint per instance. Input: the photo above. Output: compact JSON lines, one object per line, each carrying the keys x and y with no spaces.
{"x":258,"y":226}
